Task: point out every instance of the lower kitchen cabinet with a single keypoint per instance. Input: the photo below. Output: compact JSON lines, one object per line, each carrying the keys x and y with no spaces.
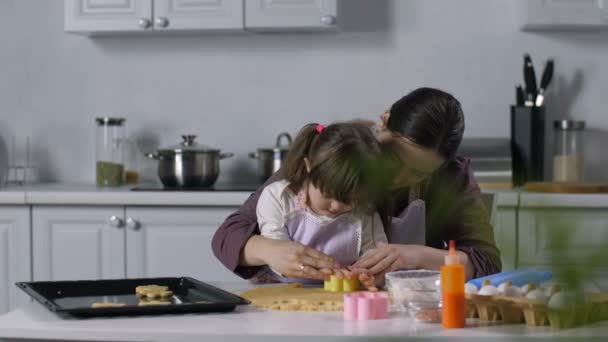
{"x":504,"y":224}
{"x":551,"y":237}
{"x":505,"y":234}
{"x":15,"y":255}
{"x":175,"y":242}
{"x":73,"y":243}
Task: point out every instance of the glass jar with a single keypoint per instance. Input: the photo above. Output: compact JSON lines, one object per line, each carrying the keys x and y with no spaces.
{"x":109,"y":152}
{"x":568,"y":158}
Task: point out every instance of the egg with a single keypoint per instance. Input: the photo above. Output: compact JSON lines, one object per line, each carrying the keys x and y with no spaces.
{"x":470,"y":288}
{"x":511,"y":291}
{"x":553,"y":289}
{"x":488,"y":290}
{"x":561,"y":300}
{"x":537,"y":294}
{"x":527,"y":288}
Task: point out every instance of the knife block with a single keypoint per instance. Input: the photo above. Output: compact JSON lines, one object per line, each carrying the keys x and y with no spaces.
{"x":527,"y":143}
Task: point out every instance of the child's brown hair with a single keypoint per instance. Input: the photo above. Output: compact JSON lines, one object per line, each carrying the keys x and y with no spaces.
{"x":345,"y":162}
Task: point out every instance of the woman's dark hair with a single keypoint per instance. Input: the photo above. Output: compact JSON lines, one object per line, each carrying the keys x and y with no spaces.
{"x":431,"y":118}
{"x":344,"y":160}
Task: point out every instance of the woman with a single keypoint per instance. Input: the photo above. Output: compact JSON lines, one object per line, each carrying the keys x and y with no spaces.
{"x":434,"y":199}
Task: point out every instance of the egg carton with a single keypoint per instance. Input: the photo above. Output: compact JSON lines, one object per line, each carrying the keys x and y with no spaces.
{"x":536,"y":312}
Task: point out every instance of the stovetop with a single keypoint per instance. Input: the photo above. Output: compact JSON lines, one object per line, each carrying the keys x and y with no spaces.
{"x":216,"y":187}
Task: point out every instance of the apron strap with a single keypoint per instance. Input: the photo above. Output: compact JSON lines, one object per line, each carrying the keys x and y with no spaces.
{"x":414,"y":193}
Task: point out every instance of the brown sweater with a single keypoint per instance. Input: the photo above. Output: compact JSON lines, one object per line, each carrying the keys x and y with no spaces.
{"x":455,"y":211}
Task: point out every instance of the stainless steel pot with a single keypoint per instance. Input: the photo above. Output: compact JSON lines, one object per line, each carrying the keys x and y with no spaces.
{"x":188,"y":164}
{"x":271,"y":159}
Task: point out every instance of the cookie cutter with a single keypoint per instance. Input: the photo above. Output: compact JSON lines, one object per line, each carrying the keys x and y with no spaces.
{"x":335,"y":284}
{"x":364,"y":306}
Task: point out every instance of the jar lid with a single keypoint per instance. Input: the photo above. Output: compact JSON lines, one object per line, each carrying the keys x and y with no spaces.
{"x":108,"y":121}
{"x":569,"y":125}
{"x":188,"y":145}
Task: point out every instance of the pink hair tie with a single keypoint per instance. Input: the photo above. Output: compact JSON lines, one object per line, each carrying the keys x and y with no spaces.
{"x":320,"y":128}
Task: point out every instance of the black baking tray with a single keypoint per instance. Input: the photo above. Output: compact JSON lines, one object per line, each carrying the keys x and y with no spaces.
{"x":74,"y":298}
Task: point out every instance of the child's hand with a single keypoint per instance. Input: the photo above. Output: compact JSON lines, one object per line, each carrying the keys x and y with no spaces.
{"x":343,"y":273}
{"x":366,"y":279}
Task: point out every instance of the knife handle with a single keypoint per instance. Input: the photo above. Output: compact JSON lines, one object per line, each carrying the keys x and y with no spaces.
{"x":520,"y":98}
{"x":547,"y":75}
{"x":530,"y":76}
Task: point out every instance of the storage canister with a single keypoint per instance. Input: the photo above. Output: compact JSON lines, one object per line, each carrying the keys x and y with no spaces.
{"x":568,"y":157}
{"x":109,"y":166}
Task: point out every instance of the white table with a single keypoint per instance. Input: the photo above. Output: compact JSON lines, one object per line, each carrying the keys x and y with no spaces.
{"x":34,"y":322}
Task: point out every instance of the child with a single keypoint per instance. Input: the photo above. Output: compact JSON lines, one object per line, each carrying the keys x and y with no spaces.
{"x":325,"y":199}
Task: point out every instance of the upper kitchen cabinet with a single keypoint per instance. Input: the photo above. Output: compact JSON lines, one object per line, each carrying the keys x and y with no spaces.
{"x":15,"y":255}
{"x":562,"y":14}
{"x":128,"y":16}
{"x":86,"y":16}
{"x":285,"y":15}
{"x":217,"y":15}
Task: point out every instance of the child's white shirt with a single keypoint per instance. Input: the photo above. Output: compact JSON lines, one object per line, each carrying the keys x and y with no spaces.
{"x":277,"y":202}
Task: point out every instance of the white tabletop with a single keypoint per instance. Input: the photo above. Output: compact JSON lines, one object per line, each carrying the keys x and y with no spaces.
{"x":250,"y":324}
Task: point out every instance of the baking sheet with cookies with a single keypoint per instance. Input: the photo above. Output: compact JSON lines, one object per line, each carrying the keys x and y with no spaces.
{"x":133,"y":297}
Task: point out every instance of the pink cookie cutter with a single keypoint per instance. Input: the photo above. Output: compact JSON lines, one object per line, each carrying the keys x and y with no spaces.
{"x":365,"y":306}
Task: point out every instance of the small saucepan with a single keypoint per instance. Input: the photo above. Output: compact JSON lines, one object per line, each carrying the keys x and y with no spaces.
{"x":271,"y":159}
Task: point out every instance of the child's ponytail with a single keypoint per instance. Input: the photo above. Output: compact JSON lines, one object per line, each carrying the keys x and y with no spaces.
{"x":295,"y":168}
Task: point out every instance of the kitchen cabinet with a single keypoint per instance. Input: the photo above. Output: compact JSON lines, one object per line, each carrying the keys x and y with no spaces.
{"x":174,"y":242}
{"x":116,"y":16}
{"x":15,"y":251}
{"x":104,"y":242}
{"x":280,"y":15}
{"x":551,"y":237}
{"x":505,"y":233}
{"x":74,"y":243}
{"x":503,"y":217}
{"x":562,"y":14}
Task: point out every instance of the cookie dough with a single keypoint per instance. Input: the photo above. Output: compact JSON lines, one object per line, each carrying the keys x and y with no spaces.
{"x":153,"y":291}
{"x":294,"y":297}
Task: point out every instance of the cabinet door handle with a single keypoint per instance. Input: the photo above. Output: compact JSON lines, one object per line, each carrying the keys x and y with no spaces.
{"x":162,"y":22}
{"x":144,"y":23}
{"x":328,"y":19}
{"x":116,"y":222}
{"x":133,"y":223}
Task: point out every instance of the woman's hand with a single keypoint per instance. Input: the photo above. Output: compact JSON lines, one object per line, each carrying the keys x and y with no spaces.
{"x":289,"y":258}
{"x":393,"y":257}
{"x":390,"y":257}
{"x":365,"y":278}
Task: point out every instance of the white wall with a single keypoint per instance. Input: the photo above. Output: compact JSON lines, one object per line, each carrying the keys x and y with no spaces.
{"x":238,"y":91}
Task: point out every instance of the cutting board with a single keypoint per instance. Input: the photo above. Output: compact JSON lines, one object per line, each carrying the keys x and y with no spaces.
{"x":294,"y":297}
{"x":567,"y":187}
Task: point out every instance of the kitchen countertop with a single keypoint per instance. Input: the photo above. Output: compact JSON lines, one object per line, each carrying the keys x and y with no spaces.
{"x":83,"y":194}
{"x":34,"y":322}
{"x":88,"y":194}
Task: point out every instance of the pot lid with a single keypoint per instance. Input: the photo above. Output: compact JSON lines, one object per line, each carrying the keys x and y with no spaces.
{"x":278,"y":146}
{"x":188,"y":145}
{"x":108,"y":121}
{"x":569,"y":125}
